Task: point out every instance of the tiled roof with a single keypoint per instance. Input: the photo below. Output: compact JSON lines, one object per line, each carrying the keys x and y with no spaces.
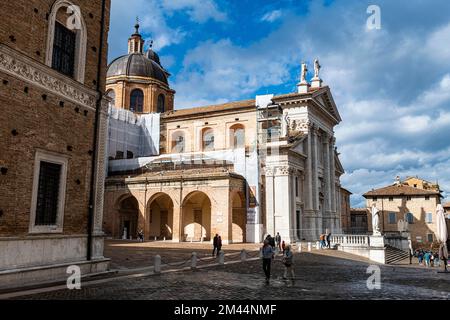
{"x":212,"y":108}
{"x":399,"y":190}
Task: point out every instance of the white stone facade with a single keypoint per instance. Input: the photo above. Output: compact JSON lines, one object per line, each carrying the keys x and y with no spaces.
{"x":302,"y":177}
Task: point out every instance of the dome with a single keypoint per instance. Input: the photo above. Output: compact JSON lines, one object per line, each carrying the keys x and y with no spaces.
{"x":138,"y":64}
{"x":152,"y":55}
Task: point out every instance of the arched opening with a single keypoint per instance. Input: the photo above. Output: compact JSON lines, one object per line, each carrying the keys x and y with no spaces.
{"x":128,"y":218}
{"x":237,"y":136}
{"x":207,"y":139}
{"x":196,"y":224}
{"x":137,"y":101}
{"x":160,"y":217}
{"x":161,"y":107}
{"x":239,"y":219}
{"x":66,"y":40}
{"x":178,"y":142}
{"x":112,"y":95}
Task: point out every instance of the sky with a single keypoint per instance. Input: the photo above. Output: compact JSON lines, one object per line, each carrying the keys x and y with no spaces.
{"x":391,"y":84}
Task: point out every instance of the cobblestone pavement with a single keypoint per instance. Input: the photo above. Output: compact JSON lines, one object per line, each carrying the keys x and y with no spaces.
{"x":324,"y":274}
{"x":131,"y":254}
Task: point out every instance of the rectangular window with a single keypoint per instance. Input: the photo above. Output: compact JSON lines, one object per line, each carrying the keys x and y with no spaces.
{"x":374,"y":199}
{"x":427,"y":197}
{"x":429,"y":217}
{"x":130,"y":155}
{"x":430,"y":237}
{"x":392,"y":218}
{"x":296,"y":187}
{"x":391,"y":198}
{"x":48,"y":194}
{"x":408,"y":198}
{"x":63,"y":59}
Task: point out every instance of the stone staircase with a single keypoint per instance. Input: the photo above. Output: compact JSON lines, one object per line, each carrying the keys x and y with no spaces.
{"x":393,"y":254}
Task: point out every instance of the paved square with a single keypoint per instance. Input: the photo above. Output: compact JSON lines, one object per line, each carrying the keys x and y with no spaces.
{"x":324,"y":274}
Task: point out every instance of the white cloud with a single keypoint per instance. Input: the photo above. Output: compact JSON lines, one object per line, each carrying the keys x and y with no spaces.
{"x":153,"y":21}
{"x":225,"y":71}
{"x":198,"y":10}
{"x":437,"y":44}
{"x":272,"y":16}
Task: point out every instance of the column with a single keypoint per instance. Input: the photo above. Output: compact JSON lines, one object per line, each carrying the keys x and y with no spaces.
{"x":327,"y":174}
{"x":176,"y":224}
{"x":309,"y":172}
{"x":292,"y":204}
{"x":315,"y":169}
{"x":99,"y":182}
{"x":282,"y":190}
{"x":333,"y":175}
{"x":270,"y":200}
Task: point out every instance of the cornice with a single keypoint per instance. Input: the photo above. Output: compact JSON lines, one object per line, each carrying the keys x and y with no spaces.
{"x":20,"y":66}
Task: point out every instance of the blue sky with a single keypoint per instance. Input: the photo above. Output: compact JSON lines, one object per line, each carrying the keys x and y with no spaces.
{"x":392,"y":85}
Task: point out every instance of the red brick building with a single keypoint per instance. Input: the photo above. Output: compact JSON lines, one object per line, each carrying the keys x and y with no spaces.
{"x":52,"y":78}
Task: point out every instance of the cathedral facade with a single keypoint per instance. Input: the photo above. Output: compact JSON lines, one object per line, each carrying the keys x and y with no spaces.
{"x":242,"y":169}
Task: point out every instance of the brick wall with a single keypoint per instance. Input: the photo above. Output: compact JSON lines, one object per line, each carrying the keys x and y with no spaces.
{"x":42,"y":119}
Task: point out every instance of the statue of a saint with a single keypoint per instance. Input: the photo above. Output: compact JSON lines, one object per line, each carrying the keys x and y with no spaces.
{"x":375,"y":220}
{"x":316,"y":68}
{"x":304,"y":72}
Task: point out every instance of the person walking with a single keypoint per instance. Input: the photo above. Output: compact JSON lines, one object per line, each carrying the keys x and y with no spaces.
{"x":141,"y":235}
{"x":272,"y":242}
{"x":288,"y":261}
{"x":322,"y":241}
{"x":267,"y":256}
{"x":219,"y":245}
{"x":420,"y":256}
{"x":411,"y":254}
{"x":328,"y":240}
{"x":443,"y":253}
{"x":278,"y":241}
{"x":283,"y":246}
{"x":427,"y":258}
{"x":215,"y":245}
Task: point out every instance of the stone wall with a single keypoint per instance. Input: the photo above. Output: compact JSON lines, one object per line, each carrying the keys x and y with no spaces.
{"x":399,"y":205}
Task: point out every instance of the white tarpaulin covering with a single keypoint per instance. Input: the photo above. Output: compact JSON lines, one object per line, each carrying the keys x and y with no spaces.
{"x":128,"y":132}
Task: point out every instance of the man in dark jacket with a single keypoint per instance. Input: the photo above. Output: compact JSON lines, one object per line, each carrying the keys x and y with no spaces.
{"x":219,"y":244}
{"x":216,"y":245}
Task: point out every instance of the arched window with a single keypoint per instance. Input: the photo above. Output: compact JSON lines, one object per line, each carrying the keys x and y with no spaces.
{"x":178,"y":142}
{"x":112,"y":95}
{"x":161,"y":104}
{"x":237,"y":136}
{"x":409,"y":217}
{"x":137,"y":101}
{"x":66,"y":40}
{"x":208,"y":139}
